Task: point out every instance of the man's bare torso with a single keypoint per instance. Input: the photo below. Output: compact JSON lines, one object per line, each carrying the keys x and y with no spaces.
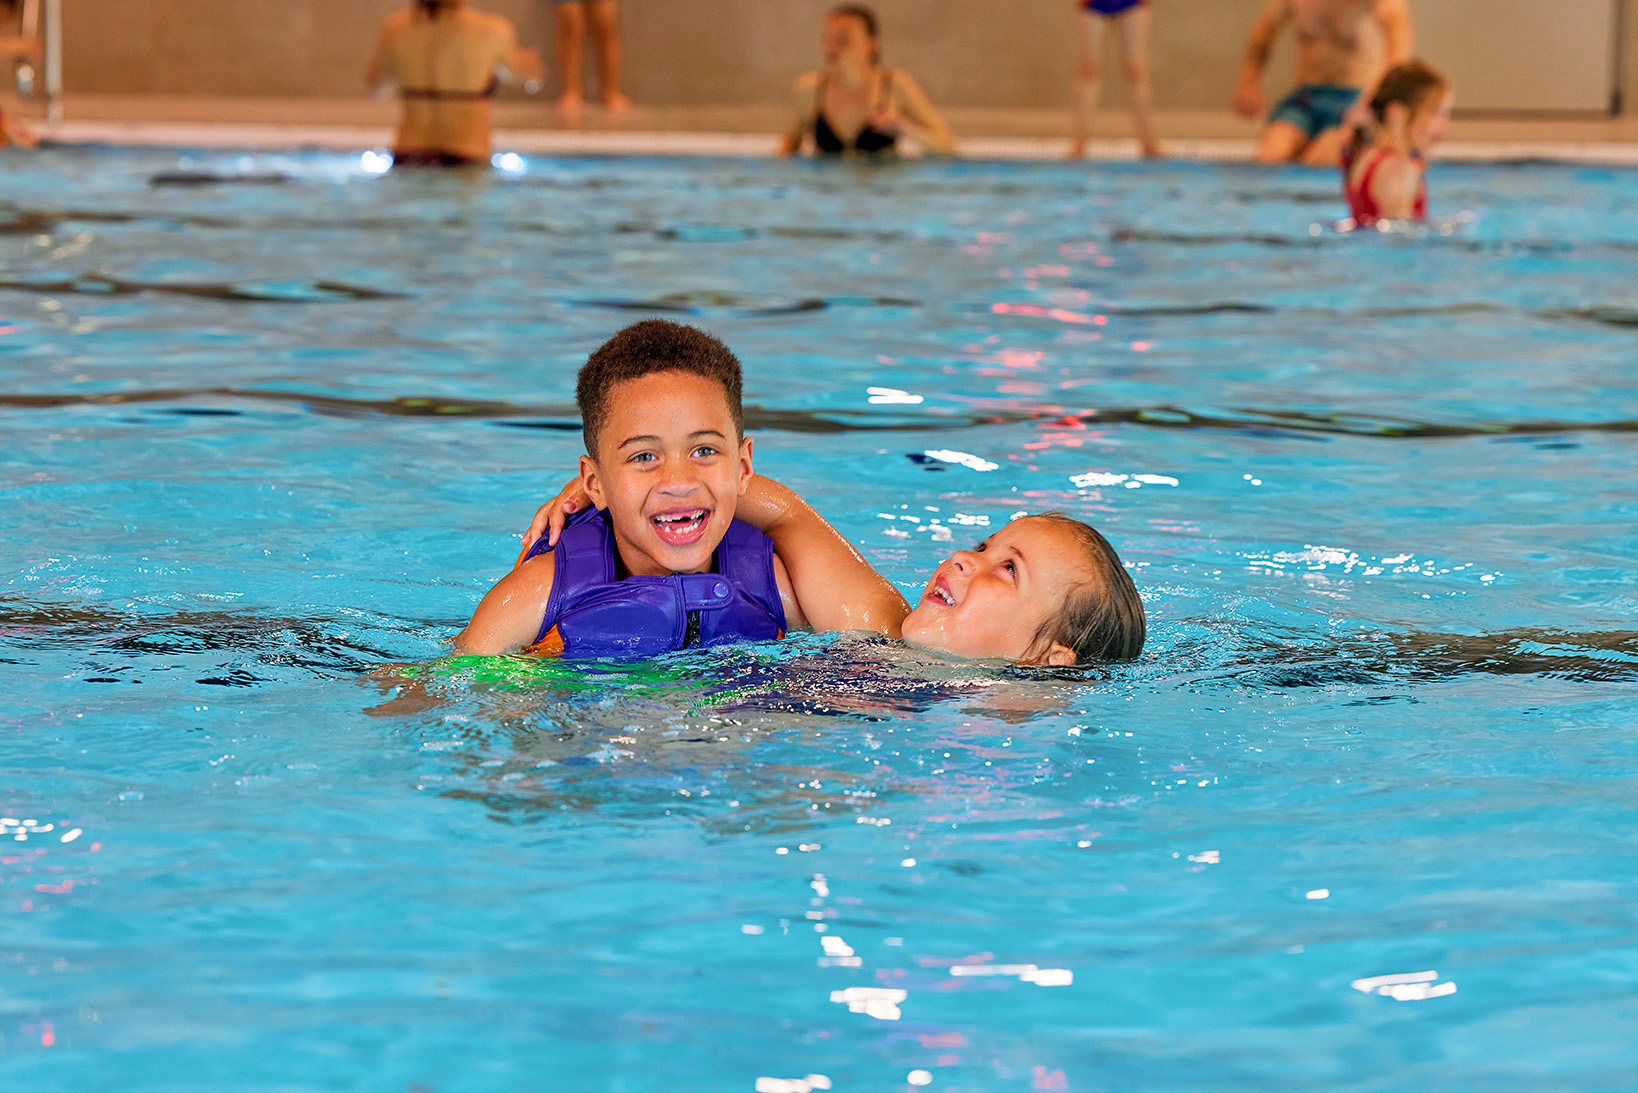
{"x":1338,"y":41}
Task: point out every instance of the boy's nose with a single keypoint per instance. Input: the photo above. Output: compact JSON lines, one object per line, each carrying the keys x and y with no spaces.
{"x":679,"y":479}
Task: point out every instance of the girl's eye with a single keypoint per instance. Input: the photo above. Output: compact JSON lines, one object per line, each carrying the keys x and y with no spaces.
{"x":1010,"y":567}
{"x":979,"y":549}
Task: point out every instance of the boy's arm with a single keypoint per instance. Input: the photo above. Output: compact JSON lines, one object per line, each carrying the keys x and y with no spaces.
{"x":508,"y":618}
{"x":834,"y":585}
{"x":1398,"y":33}
{"x":1248,"y":92}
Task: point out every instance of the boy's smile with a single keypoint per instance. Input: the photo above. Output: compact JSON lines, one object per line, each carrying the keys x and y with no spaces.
{"x":669,"y":469}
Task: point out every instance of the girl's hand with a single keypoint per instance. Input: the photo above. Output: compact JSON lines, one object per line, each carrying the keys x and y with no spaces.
{"x":550,"y":517}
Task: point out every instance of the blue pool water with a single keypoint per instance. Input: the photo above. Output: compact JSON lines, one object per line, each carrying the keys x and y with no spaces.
{"x":273,"y":423}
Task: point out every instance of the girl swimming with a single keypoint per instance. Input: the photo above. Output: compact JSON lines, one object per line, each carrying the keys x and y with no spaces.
{"x":1043,"y":590}
{"x":1385,"y":171}
{"x":856,"y":105}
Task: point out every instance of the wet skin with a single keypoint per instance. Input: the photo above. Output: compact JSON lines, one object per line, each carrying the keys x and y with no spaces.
{"x":991,"y":602}
{"x":669,"y":469}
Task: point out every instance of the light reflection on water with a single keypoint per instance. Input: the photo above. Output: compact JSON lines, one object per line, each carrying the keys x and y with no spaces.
{"x":273,"y":422}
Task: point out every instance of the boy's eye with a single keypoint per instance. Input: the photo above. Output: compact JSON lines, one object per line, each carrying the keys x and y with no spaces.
{"x":979,"y":549}
{"x":644,"y":457}
{"x":1011,"y":567}
{"x":704,"y":451}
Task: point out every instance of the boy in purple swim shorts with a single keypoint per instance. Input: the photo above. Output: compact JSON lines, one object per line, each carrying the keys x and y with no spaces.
{"x":1128,"y":22}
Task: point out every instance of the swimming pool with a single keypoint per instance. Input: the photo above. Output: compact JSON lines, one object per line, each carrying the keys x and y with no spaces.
{"x":273,"y":422}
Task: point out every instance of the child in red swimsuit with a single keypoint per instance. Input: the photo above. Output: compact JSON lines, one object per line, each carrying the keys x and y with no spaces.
{"x":1384,"y":172}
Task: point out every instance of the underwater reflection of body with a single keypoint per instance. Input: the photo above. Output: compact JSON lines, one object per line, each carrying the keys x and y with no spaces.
{"x":528,"y":735}
{"x":525,"y":737}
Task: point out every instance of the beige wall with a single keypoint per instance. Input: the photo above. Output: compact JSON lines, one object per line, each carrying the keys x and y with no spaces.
{"x":1001,"y":53}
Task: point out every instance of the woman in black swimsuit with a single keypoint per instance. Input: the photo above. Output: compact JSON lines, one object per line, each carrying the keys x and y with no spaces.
{"x":855,"y":105}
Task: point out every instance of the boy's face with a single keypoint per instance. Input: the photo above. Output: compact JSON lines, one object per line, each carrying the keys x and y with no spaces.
{"x":669,"y":469}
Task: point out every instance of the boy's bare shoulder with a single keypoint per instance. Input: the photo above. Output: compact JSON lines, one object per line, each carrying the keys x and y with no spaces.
{"x":509,"y":616}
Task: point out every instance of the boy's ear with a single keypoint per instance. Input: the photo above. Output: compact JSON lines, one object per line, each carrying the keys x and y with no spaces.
{"x":590,"y":480}
{"x":745,"y":471}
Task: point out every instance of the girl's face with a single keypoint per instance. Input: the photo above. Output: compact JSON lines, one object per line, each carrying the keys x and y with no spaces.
{"x":991,"y":602}
{"x":847,"y":42}
{"x":1430,"y":122}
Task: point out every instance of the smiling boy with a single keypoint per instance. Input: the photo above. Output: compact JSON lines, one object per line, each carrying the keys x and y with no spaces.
{"x":660,"y":563}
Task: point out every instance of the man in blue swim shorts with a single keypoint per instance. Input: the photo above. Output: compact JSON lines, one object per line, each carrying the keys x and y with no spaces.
{"x":1343,"y":47}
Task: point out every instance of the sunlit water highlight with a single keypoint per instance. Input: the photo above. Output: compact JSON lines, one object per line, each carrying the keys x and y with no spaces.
{"x":1362,"y":817}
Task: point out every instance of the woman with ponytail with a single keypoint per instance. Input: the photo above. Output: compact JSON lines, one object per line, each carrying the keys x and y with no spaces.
{"x":446,"y":61}
{"x":1384,"y":167}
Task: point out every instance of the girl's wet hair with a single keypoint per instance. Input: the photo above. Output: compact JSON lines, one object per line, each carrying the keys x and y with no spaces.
{"x":1410,"y":84}
{"x":1101,"y":619}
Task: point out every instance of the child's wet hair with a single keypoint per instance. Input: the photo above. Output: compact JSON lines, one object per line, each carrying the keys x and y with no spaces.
{"x":643,"y":349}
{"x":1410,"y":84}
{"x":1101,"y":619}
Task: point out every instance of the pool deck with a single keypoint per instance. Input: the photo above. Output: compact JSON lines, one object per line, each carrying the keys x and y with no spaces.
{"x":534,"y":127}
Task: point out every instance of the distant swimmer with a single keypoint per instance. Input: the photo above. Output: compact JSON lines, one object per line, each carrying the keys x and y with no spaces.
{"x":1128,"y":22}
{"x":1343,"y":46}
{"x":447,"y":62}
{"x":856,"y":105}
{"x":13,"y":49}
{"x":1384,"y":170}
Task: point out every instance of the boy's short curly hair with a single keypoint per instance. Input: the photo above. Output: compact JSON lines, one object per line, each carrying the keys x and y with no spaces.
{"x":642,"y":349}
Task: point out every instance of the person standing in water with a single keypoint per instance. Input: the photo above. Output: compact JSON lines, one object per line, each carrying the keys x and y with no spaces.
{"x":447,"y":61}
{"x":1128,"y":21}
{"x":14,"y":48}
{"x":856,"y":105}
{"x":574,"y":19}
{"x":1384,"y":170}
{"x":1343,"y":46}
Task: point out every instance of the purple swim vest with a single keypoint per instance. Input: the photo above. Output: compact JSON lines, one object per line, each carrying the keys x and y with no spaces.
{"x":596,"y":613}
